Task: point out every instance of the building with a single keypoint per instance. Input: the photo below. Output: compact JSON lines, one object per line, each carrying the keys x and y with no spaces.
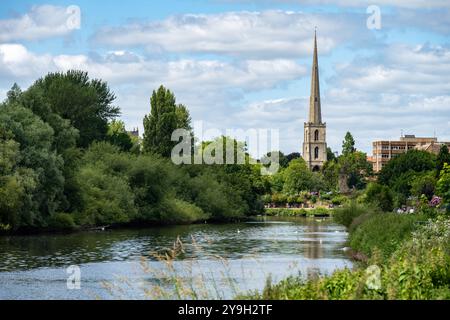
{"x":383,"y":151}
{"x":134,"y":132}
{"x":314,"y":143}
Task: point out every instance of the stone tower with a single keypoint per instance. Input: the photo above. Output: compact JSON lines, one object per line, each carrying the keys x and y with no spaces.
{"x":315,"y":143}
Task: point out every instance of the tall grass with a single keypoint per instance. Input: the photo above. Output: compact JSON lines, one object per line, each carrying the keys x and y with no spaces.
{"x":347,"y":214}
{"x":418,"y":269}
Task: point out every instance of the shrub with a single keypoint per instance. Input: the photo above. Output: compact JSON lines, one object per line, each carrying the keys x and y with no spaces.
{"x":346,"y":214}
{"x":380,"y":196}
{"x":339,"y":199}
{"x":179,"y":211}
{"x":383,"y":231}
{"x":61,"y":221}
{"x":418,"y":269}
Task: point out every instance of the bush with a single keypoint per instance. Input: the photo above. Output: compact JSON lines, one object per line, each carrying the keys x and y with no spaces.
{"x":418,"y":269}
{"x":285,"y":212}
{"x":339,"y":199}
{"x":383,"y":231}
{"x":179,"y":211}
{"x":349,"y":212}
{"x":380,"y":196}
{"x":62,"y":221}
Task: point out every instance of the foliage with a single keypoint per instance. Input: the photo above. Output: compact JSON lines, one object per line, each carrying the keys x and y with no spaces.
{"x":348,"y":145}
{"x":442,"y":158}
{"x":348,"y":213}
{"x":164,"y":117}
{"x":295,"y":212}
{"x":424,"y":184}
{"x":443,"y":184}
{"x":418,"y":268}
{"x":401,"y":168}
{"x":118,"y":136}
{"x":62,"y":221}
{"x":298,"y":177}
{"x":86,"y":103}
{"x":356,"y":167}
{"x":383,"y":231}
{"x":380,"y":196}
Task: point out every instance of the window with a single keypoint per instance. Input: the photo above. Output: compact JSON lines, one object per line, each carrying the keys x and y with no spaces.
{"x":316,"y":135}
{"x":316,"y":153}
{"x":315,"y":99}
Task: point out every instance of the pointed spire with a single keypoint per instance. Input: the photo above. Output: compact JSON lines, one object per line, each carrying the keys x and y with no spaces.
{"x":315,"y":113}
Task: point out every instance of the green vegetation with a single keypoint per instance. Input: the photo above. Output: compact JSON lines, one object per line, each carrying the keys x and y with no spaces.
{"x":295,"y":212}
{"x":403,"y":253}
{"x":407,"y":260}
{"x":66,"y":162}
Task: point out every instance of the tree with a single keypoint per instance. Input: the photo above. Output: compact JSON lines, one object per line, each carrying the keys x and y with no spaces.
{"x":330,"y":155}
{"x":86,"y":103}
{"x":33,"y":169}
{"x":442,"y":158}
{"x":380,"y":196}
{"x":412,"y":161}
{"x":293,"y":155}
{"x":348,"y":145}
{"x":356,"y":168}
{"x":118,"y":136}
{"x":14,"y":93}
{"x":165,"y":116}
{"x":424,"y":184}
{"x":298,"y":177}
{"x":443,"y":184}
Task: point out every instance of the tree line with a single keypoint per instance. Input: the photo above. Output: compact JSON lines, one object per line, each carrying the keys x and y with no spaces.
{"x":66,"y":161}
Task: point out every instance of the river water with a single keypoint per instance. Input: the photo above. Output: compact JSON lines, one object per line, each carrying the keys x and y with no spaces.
{"x":214,"y":261}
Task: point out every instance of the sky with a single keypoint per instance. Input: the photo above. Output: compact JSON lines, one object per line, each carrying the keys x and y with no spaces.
{"x":240,"y":64}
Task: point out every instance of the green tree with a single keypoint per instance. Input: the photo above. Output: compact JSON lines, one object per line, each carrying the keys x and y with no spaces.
{"x":356,"y":167}
{"x":86,"y":103}
{"x":443,"y":184}
{"x":424,"y":184}
{"x":165,"y":116}
{"x":14,"y":93}
{"x":330,"y":155}
{"x":348,"y":145}
{"x":442,"y":158}
{"x":298,"y":177}
{"x":399,"y":171}
{"x":118,"y":136}
{"x":380,"y":196}
{"x":36,"y":168}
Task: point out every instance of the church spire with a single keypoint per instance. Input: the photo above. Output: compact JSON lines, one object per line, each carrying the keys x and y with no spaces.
{"x":315,"y":113}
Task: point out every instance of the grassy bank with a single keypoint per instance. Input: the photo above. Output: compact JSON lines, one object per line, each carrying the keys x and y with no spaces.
{"x":408,"y":258}
{"x":298,"y":212}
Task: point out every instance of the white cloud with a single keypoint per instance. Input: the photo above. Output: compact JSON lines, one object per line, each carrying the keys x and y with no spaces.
{"x":263,"y":35}
{"x":40,"y":22}
{"x":365,"y":3}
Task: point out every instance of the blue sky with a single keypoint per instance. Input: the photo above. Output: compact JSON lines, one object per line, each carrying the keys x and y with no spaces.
{"x":246,"y":64}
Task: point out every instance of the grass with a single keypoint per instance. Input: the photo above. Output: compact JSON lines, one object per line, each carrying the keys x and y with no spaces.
{"x":419,"y":268}
{"x":298,"y":212}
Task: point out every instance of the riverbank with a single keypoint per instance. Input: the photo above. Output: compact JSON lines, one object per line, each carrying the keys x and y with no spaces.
{"x":407,"y":257}
{"x":299,"y":212}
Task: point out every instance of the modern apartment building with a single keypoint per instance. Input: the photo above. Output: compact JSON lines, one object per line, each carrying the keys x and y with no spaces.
{"x":383,"y":151}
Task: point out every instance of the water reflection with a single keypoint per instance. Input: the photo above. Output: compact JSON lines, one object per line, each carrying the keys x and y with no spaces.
{"x":254,"y":250}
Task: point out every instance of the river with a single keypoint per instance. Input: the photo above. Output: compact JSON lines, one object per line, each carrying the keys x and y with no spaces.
{"x":214,"y":261}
